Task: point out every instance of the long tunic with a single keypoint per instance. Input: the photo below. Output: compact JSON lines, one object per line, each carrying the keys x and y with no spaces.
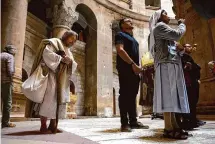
{"x":49,"y":105}
{"x":170,"y":93}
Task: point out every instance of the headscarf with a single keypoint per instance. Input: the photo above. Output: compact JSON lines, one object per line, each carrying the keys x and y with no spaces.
{"x":152,"y":23}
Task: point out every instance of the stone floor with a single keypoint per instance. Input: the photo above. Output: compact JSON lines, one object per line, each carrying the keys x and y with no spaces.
{"x":103,"y":131}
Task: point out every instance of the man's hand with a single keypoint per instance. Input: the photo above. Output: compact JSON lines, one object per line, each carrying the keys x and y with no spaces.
{"x":194,"y":47}
{"x":66,"y":60}
{"x":136,"y":69}
{"x":181,"y":21}
{"x":199,"y":81}
{"x":188,"y":66}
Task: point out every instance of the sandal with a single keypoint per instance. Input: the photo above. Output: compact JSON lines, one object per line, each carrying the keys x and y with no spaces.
{"x":175,"y":134}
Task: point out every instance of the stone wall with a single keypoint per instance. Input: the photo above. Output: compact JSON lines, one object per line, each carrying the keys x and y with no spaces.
{"x":107,"y":12}
{"x":78,"y":77}
{"x":36,"y":30}
{"x":201,"y":31}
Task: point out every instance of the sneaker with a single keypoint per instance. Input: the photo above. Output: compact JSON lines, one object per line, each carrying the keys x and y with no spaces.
{"x":138,"y":125}
{"x":8,"y":125}
{"x":125,"y":128}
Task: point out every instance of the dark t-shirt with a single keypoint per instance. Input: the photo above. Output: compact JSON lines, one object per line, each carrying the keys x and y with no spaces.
{"x":131,"y":46}
{"x":193,"y":75}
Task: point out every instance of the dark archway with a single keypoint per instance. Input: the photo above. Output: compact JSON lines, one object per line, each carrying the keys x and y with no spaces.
{"x":114,"y":101}
{"x":39,"y":9}
{"x":72,"y":87}
{"x":24,"y":75}
{"x":90,"y":101}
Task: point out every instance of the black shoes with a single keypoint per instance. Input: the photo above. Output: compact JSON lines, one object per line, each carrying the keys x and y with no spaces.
{"x":138,"y":125}
{"x":134,"y":125}
{"x":126,"y":128}
{"x":200,"y":123}
{"x":8,"y":125}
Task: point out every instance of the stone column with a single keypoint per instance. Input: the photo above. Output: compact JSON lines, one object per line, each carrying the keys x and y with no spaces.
{"x":211,"y":23}
{"x":63,"y":19}
{"x":14,"y":14}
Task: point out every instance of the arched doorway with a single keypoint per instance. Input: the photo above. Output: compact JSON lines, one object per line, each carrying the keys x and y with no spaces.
{"x":24,"y":75}
{"x":72,"y":87}
{"x":90,"y":32}
{"x":114,"y":101}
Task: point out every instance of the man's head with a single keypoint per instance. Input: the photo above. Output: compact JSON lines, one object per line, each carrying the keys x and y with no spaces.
{"x":211,"y":66}
{"x":188,"y":48}
{"x":126,"y":25}
{"x":10,"y":49}
{"x":164,"y":17}
{"x":69,"y":38}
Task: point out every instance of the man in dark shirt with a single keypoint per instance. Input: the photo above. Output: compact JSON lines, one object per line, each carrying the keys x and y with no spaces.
{"x":192,"y":76}
{"x":7,"y":72}
{"x":128,"y":69}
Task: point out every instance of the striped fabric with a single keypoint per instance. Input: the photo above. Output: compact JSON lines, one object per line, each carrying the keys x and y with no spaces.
{"x":7,"y":67}
{"x":170,"y":94}
{"x":164,"y":36}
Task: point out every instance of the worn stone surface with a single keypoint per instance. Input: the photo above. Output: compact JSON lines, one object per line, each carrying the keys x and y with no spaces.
{"x":103,"y":131}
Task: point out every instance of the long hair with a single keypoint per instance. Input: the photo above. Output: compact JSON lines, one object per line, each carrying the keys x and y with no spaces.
{"x":68,"y":34}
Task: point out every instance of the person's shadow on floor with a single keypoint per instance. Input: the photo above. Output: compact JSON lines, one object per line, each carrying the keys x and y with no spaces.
{"x":26,"y":133}
{"x":157,"y":137}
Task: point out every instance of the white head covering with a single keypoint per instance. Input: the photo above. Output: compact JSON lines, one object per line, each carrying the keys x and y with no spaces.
{"x":152,"y":23}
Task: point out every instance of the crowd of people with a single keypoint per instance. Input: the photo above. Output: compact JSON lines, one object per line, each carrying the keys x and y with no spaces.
{"x":176,"y":81}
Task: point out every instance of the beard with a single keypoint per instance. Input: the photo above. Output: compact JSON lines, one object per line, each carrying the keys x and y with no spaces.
{"x":69,"y":44}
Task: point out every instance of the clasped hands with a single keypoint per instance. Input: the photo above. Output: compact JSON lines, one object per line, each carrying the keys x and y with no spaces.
{"x":66,"y":60}
{"x":136,"y":69}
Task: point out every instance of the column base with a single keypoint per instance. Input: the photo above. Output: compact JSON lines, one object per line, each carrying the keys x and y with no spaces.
{"x":71,"y":115}
{"x":18,"y":99}
{"x":17,"y":84}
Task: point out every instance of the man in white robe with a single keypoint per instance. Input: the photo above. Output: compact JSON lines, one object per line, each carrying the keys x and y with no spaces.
{"x":60,"y":69}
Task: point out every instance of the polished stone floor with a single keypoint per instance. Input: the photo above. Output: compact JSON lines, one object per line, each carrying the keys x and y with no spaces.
{"x":103,"y":131}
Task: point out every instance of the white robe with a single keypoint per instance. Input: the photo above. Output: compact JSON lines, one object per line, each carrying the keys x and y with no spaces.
{"x":52,"y":60}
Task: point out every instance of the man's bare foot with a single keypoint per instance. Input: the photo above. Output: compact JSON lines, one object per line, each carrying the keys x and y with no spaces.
{"x":45,"y":131}
{"x":56,"y":131}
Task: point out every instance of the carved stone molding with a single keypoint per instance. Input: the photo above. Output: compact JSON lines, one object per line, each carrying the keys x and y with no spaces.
{"x":64,"y":15}
{"x":191,"y":17}
{"x":120,"y":10}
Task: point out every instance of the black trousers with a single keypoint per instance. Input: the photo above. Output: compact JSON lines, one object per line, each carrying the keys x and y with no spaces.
{"x":129,"y":86}
{"x":193,"y":97}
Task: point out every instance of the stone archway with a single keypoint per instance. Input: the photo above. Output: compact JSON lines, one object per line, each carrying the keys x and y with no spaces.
{"x":90,"y":101}
{"x":24,"y":75}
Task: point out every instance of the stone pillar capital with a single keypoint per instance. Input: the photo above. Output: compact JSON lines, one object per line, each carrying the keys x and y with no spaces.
{"x":64,"y":15}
